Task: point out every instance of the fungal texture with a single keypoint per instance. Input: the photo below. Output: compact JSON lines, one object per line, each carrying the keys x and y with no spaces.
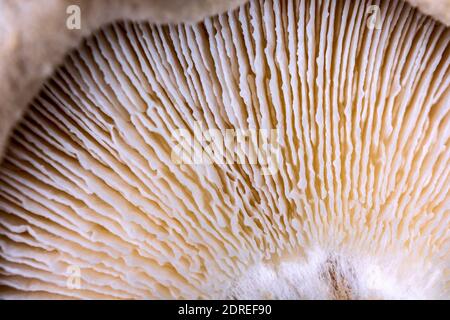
{"x":94,"y":205}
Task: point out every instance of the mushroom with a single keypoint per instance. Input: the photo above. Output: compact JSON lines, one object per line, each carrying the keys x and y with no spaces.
{"x":97,"y":201}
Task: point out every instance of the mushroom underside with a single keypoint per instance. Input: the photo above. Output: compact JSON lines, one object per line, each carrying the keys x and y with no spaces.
{"x":286,"y":149}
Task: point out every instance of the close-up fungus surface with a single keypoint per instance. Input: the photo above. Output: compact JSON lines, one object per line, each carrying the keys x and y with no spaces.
{"x":291,"y":149}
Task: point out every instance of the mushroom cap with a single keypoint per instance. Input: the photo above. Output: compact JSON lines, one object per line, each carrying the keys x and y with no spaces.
{"x":94,"y":204}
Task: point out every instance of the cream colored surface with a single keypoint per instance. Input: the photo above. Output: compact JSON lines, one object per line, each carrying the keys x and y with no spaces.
{"x":358,"y":209}
{"x":439,"y":9}
{"x":34,"y":39}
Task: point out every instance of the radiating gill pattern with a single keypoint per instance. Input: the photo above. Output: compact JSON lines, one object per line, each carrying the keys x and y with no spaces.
{"x":88,"y":181}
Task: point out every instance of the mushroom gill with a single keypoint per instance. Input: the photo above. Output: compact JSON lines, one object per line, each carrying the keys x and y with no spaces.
{"x":359,"y":203}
